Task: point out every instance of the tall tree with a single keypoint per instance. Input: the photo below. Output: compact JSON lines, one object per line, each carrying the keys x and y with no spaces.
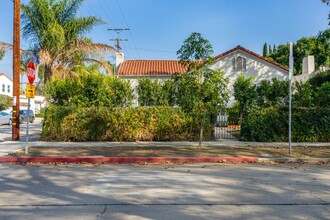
{"x":318,"y":46}
{"x":57,"y":35}
{"x":265,"y":50}
{"x":274,"y":49}
{"x":202,"y":90}
{"x":323,"y":48}
{"x":194,"y":48}
{"x":270,"y":49}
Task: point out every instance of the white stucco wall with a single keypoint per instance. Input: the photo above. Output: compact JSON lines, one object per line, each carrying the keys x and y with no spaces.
{"x":256,"y":68}
{"x":5,"y":82}
{"x":134,"y":83}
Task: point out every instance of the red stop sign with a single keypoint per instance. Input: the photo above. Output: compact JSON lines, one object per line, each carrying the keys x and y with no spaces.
{"x":31,"y":72}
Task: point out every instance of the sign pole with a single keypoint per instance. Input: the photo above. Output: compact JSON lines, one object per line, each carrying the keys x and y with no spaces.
{"x":30,"y":89}
{"x":290,"y":95}
{"x":27,"y":129}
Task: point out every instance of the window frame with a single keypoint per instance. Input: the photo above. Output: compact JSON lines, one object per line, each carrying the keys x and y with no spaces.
{"x":239,"y":64}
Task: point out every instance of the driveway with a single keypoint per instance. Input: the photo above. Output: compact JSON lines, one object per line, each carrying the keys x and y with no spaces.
{"x":34,"y":131}
{"x":165,"y":192}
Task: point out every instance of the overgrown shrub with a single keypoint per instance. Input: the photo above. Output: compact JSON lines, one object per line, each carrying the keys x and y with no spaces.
{"x":5,"y":102}
{"x":120,"y":124}
{"x":271,"y":124}
{"x":88,"y":90}
{"x":320,"y":78}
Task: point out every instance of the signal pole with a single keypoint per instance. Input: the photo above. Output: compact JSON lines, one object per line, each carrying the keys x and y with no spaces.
{"x":118,"y":39}
{"x":16,"y":70}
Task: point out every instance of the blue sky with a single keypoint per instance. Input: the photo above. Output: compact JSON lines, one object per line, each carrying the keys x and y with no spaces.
{"x":159,"y":27}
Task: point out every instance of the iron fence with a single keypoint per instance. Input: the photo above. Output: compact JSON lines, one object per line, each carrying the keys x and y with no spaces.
{"x":226,"y":125}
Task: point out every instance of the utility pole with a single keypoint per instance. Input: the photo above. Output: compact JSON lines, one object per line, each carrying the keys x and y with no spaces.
{"x":118,"y":39}
{"x":16,"y":70}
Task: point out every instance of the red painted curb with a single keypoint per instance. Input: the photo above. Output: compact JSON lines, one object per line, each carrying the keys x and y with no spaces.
{"x":126,"y":160}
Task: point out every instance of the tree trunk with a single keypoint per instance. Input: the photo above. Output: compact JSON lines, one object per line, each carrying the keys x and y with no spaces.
{"x":47,"y":74}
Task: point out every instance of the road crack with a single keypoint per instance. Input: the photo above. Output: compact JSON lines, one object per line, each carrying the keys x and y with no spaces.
{"x":317,"y":197}
{"x":104,"y":210}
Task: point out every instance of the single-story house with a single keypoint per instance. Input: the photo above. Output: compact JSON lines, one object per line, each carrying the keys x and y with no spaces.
{"x":238,"y":60}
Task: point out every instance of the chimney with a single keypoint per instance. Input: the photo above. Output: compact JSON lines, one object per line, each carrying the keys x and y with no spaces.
{"x":308,"y":65}
{"x":119,"y":59}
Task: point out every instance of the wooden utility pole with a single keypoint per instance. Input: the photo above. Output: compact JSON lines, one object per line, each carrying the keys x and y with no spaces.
{"x":118,"y":40}
{"x":16,"y":69}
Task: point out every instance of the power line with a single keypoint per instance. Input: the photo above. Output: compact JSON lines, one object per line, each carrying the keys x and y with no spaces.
{"x":152,"y":50}
{"x":121,"y":11}
{"x":107,"y":10}
{"x":106,"y":13}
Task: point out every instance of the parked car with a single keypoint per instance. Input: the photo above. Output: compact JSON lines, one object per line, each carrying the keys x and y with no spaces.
{"x":23,"y":116}
{"x":5,"y":118}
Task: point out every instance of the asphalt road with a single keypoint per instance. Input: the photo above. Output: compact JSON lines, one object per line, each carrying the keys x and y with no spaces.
{"x":34,"y":131}
{"x":165,"y":192}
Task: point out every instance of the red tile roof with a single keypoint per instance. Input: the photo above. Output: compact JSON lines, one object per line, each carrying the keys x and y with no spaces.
{"x":2,"y":74}
{"x":151,"y":67}
{"x":253,"y":54}
{"x":170,"y":67}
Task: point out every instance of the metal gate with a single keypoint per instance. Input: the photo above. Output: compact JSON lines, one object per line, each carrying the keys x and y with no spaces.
{"x":227,"y":125}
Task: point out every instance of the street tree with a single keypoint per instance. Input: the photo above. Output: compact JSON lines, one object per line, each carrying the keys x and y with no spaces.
{"x":201,"y":91}
{"x":194,"y":48}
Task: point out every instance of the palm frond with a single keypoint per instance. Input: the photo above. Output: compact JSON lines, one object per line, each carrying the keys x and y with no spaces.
{"x":66,"y":10}
{"x":8,"y":47}
{"x":79,"y":26}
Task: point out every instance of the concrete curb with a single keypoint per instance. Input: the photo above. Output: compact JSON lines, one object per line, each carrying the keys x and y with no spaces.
{"x":131,"y":160}
{"x":295,"y":160}
{"x":157,"y":160}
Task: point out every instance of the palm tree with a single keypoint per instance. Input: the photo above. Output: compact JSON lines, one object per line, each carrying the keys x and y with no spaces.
{"x":56,"y":34}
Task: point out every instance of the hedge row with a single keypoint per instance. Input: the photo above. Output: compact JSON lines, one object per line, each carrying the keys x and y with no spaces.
{"x":271,"y":124}
{"x":121,"y":124}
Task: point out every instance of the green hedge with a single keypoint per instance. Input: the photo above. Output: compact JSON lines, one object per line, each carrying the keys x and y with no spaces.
{"x":121,"y":124}
{"x":271,"y":124}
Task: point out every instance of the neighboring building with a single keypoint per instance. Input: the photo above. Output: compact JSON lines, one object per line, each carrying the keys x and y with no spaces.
{"x":6,"y":88}
{"x":23,"y":102}
{"x":308,"y":69}
{"x":6,"y":85}
{"x":40,"y":102}
{"x":233,"y":62}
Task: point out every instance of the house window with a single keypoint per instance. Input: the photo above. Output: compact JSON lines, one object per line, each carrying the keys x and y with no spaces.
{"x":3,"y":88}
{"x":239,"y":64}
{"x":8,"y":88}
